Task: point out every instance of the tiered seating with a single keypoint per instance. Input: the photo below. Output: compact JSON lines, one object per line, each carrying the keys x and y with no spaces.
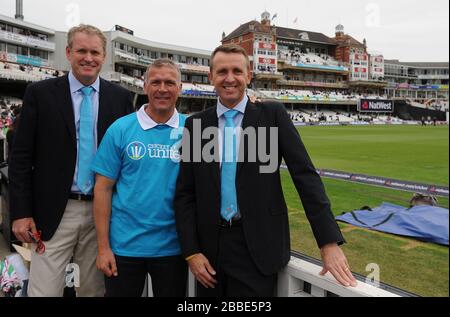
{"x":145,"y":60}
{"x":12,"y":71}
{"x":194,"y":68}
{"x":189,"y":86}
{"x":205,"y":87}
{"x":307,"y":58}
{"x":440,"y":105}
{"x":139,"y":83}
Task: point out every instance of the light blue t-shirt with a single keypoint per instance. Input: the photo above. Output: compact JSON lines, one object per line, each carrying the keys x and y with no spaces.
{"x":144,"y":160}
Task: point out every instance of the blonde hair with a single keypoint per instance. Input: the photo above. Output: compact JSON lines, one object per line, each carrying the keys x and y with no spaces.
{"x":88,"y":29}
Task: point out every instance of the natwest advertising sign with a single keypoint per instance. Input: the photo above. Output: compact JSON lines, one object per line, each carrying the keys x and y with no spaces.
{"x":270,"y":61}
{"x":375,"y":105}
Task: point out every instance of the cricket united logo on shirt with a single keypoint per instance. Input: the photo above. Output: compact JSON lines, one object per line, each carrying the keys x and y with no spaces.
{"x":136,"y":151}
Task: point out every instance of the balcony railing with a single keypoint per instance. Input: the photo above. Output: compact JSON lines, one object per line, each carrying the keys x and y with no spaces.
{"x":26,"y":40}
{"x":301,"y":279}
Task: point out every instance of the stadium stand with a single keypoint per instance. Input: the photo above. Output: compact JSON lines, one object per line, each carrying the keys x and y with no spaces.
{"x":297,"y":57}
{"x":28,"y":73}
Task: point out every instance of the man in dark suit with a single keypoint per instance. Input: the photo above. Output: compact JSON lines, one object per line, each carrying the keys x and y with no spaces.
{"x":63,"y":121}
{"x":231,"y":215}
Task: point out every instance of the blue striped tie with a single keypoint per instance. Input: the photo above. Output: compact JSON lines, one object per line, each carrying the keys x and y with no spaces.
{"x":85,"y":177}
{"x":229,"y":206}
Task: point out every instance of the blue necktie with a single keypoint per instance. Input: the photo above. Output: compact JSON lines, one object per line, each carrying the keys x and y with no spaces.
{"x":229,"y":207}
{"x":86,"y":149}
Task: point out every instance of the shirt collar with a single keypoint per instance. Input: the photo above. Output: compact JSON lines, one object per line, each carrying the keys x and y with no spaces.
{"x":221,"y":109}
{"x":148,"y":123}
{"x":75,"y":84}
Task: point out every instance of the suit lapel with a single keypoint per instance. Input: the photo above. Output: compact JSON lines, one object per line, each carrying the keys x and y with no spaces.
{"x":104,"y":108}
{"x":64,"y":104}
{"x":250,"y":119}
{"x":211,"y":120}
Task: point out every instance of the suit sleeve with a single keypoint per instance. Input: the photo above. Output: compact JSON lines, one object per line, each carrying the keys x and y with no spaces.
{"x":307,"y":182}
{"x":20,"y":170}
{"x":185,"y":198}
{"x":129,"y":107}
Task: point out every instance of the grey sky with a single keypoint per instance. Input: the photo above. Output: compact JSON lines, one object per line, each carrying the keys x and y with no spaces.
{"x":409,"y":30}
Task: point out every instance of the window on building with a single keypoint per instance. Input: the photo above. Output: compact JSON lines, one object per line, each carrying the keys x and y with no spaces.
{"x":42,"y":37}
{"x":18,"y":30}
{"x":34,"y":52}
{"x":2,"y":26}
{"x":2,"y":47}
{"x":12,"y":49}
{"x":38,"y":53}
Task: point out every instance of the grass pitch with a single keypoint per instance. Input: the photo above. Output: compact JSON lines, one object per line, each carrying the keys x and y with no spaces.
{"x":401,"y":152}
{"x":411,"y":153}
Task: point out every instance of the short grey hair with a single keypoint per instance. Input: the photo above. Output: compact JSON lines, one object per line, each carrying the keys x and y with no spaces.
{"x":88,"y":29}
{"x":163,"y":62}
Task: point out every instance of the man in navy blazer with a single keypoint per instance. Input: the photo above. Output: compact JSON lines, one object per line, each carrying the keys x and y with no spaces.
{"x":46,"y":197}
{"x":241,"y":256}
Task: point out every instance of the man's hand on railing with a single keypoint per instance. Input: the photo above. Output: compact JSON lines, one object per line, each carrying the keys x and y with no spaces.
{"x":22,"y":227}
{"x":335,"y":262}
{"x":202,"y":270}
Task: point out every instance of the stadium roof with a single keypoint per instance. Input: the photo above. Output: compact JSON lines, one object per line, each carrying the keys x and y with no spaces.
{"x":418,"y":64}
{"x":27,"y":25}
{"x":295,"y":34}
{"x":281,"y":32}
{"x":146,"y":44}
{"x":347,"y":40}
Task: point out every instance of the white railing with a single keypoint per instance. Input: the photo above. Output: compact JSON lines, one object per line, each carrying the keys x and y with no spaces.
{"x":291,"y":283}
{"x":292,"y":280}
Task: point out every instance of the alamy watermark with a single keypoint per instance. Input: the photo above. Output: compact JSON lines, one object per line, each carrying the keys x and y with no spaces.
{"x":73,"y":16}
{"x":374,"y":276}
{"x":253,"y":144}
{"x":373,"y":17}
{"x":72,"y":277}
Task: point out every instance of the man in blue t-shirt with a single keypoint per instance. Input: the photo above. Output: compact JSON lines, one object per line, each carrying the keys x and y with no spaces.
{"x":137,"y":166}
